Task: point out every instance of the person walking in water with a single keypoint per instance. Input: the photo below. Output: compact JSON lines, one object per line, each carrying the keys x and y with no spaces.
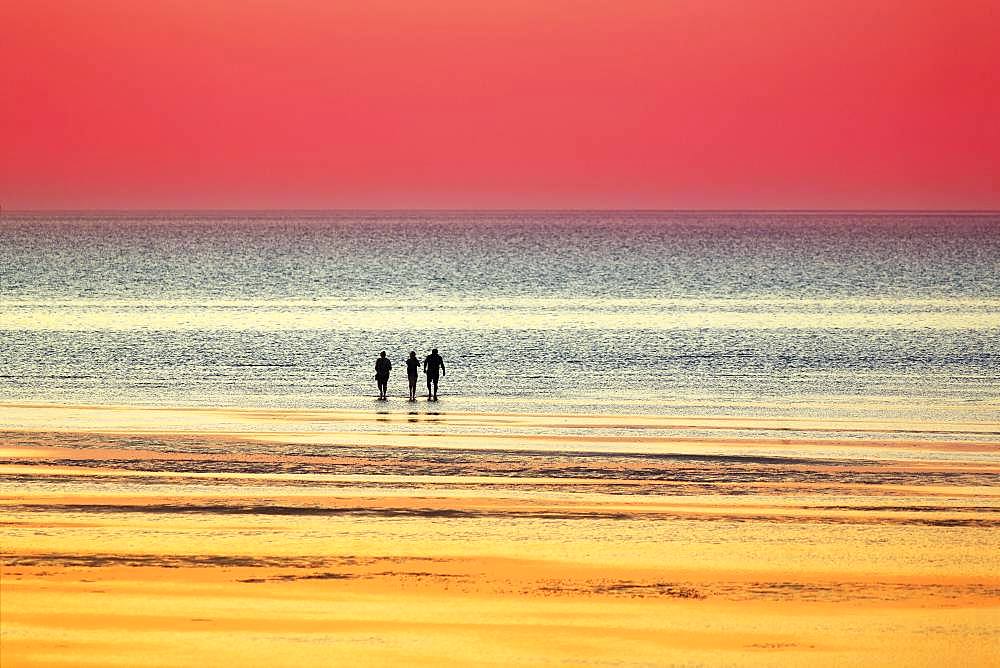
{"x":432,"y":364}
{"x":412,"y":367}
{"x":382,"y":368}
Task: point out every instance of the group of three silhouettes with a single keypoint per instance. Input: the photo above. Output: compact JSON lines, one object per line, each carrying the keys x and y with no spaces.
{"x":433,"y":366}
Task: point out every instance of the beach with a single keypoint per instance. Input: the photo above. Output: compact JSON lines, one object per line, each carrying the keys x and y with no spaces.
{"x":264,"y":538}
{"x":666,"y":439}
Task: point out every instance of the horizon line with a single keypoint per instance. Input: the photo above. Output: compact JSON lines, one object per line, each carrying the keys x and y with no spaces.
{"x":265,"y":210}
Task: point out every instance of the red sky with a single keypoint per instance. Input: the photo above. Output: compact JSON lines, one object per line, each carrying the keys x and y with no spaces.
{"x":502,"y":104}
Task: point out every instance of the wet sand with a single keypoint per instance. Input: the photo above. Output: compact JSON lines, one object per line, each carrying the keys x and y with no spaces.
{"x":411,"y":536}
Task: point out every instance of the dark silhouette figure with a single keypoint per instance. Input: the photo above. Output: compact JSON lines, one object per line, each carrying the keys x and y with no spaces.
{"x":412,"y":367}
{"x":382,"y":368}
{"x":432,"y":364}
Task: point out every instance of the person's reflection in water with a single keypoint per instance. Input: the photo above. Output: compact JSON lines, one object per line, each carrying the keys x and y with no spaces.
{"x":382,"y":368}
{"x":432,"y":365}
{"x":412,"y":368}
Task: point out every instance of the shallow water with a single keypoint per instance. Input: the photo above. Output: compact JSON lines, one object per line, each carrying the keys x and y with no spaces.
{"x":687,"y":314}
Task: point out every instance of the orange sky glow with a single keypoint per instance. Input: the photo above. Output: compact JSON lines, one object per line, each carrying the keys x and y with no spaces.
{"x":709,"y":104}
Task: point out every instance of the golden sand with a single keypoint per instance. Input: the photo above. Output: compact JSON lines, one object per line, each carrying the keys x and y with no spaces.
{"x":259,"y":538}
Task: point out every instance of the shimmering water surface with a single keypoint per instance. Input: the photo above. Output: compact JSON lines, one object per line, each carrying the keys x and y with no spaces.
{"x":752,"y":314}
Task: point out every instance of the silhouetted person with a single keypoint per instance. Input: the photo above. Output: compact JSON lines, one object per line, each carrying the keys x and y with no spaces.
{"x":432,"y":364}
{"x":412,"y":367}
{"x":382,"y":368}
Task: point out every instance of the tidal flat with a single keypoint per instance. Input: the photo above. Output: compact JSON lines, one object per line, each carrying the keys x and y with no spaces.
{"x":415,"y":536}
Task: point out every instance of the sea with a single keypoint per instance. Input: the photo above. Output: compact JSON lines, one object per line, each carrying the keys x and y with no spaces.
{"x":836,"y":316}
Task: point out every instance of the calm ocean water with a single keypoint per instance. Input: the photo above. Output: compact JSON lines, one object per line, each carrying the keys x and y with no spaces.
{"x":826,"y":315}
